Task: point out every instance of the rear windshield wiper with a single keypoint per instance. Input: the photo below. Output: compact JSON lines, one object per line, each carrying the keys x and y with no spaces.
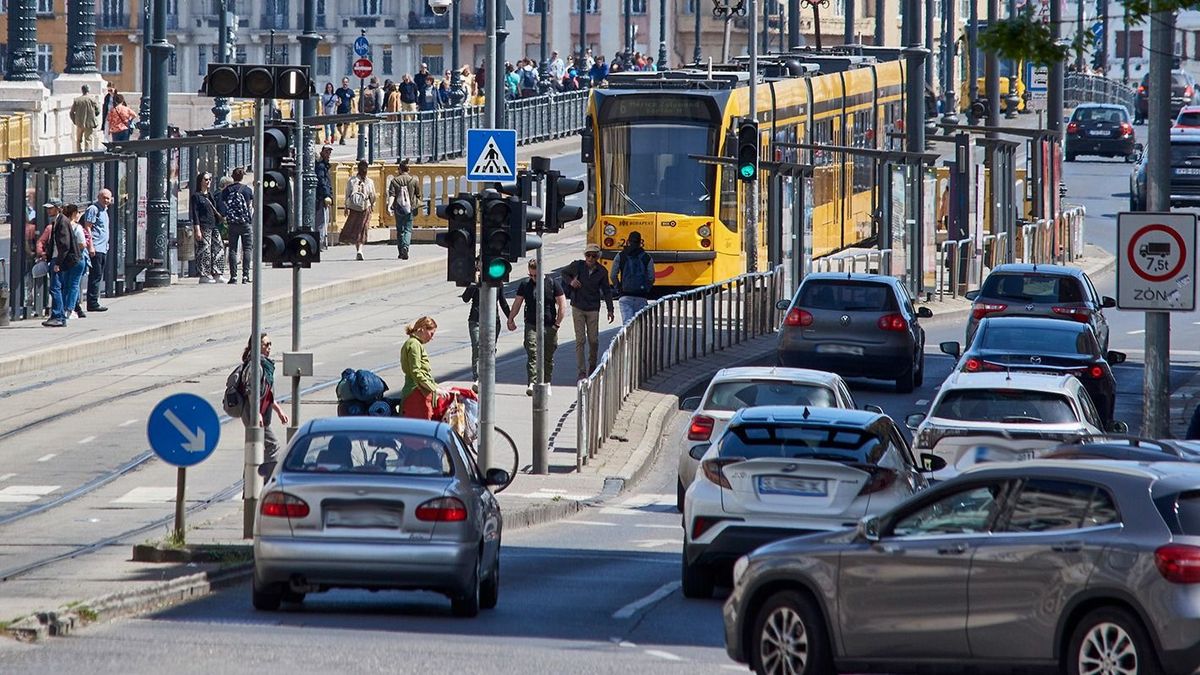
{"x":1017,"y":419}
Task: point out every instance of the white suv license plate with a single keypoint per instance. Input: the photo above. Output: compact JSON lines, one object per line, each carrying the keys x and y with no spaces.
{"x":793,"y":486}
{"x":851,"y":350}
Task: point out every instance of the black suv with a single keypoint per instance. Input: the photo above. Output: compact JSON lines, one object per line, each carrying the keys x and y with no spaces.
{"x":1100,"y":129}
{"x":1183,"y":92}
{"x":1185,"y":173}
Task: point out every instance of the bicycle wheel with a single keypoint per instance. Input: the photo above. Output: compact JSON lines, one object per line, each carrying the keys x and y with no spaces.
{"x":503,"y":456}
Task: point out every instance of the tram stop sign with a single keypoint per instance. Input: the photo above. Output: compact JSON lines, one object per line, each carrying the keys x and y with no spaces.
{"x":1156,"y":261}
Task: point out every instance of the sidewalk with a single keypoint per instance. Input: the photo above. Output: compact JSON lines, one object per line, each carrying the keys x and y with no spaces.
{"x":106,"y":584}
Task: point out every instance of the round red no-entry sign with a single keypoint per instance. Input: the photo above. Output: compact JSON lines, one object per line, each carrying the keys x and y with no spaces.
{"x":363,"y":68}
{"x":1159,"y":260}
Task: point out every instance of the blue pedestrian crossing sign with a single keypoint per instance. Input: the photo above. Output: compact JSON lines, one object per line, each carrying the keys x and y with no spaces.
{"x":361,"y":46}
{"x":183,"y":429}
{"x":491,"y":154}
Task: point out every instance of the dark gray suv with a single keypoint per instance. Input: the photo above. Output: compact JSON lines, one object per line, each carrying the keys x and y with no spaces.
{"x":1045,"y":565}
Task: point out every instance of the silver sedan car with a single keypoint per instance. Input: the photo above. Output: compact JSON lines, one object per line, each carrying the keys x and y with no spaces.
{"x":378,"y":503}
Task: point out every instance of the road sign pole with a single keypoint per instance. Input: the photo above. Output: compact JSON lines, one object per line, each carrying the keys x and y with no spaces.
{"x":253,"y":448}
{"x":1156,"y":381}
{"x":180,"y":511}
{"x":541,"y":390}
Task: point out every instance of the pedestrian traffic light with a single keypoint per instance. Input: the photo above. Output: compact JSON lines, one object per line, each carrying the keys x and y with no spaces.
{"x":278,"y":172}
{"x":459,"y":239}
{"x":495,"y":214}
{"x":558,"y":189}
{"x":235,"y":80}
{"x":747,"y":152}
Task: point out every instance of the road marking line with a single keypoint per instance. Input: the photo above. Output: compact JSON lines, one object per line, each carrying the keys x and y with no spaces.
{"x":637,"y":605}
{"x":318,"y":363}
{"x":85,"y":441}
{"x":659,"y":527}
{"x":147,"y":495}
{"x":923,"y":401}
{"x":127,"y":423}
{"x":663,"y":655}
{"x":1136,"y":332}
{"x":358,"y":354}
{"x":6,"y":476}
{"x":655,"y":543}
{"x":47,"y":458}
{"x":16,"y":494}
{"x":594,"y":522}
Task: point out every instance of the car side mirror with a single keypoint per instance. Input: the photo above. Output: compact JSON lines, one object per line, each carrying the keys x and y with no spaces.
{"x":782,"y":305}
{"x":698,"y":450}
{"x":868,"y":528}
{"x":690,"y":403}
{"x":971,"y":295}
{"x":914,"y":420}
{"x":931,"y":462}
{"x":1107,"y":302}
{"x":951,"y":348}
{"x":873,"y":408}
{"x":1118,"y":427}
{"x":1114,"y":358}
{"x":924,"y":313}
{"x":496,"y":478}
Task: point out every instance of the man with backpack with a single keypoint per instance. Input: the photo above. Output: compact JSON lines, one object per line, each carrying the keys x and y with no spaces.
{"x":235,"y":203}
{"x":404,"y":197}
{"x":371,"y":99}
{"x":633,"y":277}
{"x":529,"y":80}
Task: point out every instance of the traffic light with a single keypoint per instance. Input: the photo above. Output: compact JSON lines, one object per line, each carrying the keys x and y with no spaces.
{"x":495,"y":214}
{"x":234,"y":80}
{"x":278,"y":172}
{"x":558,"y":189}
{"x":747,"y":152}
{"x":459,"y":239}
{"x":521,"y":216}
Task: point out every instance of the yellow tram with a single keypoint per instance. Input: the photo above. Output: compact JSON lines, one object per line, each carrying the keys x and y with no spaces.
{"x":645,"y":128}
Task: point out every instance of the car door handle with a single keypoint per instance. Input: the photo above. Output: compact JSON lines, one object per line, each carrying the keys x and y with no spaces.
{"x":891,"y":549}
{"x":1068,"y":547}
{"x":952,"y":549}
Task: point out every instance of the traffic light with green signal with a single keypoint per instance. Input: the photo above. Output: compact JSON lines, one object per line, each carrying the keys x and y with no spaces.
{"x":558,"y":188}
{"x":459,"y":238}
{"x":747,"y":151}
{"x":495,"y":213}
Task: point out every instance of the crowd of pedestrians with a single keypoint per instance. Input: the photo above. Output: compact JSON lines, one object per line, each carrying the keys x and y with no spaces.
{"x":72,"y":251}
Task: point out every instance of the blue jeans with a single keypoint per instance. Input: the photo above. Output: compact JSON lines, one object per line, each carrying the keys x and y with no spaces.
{"x":404,"y":223}
{"x":630,"y":305}
{"x":64,"y":290}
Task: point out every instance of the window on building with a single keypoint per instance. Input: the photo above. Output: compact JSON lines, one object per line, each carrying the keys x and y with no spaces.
{"x":1135,"y":44}
{"x":593,"y":6}
{"x":278,"y":55}
{"x":3,"y":58}
{"x":239,"y":54}
{"x":113,"y":14}
{"x":324,"y":60}
{"x":45,"y":6}
{"x":638,"y":6}
{"x":534,"y":6}
{"x":321,"y":15}
{"x":112,"y":59}
{"x":275,"y":14}
{"x":45,"y":58}
{"x":202,"y":58}
{"x":386,"y":66}
{"x":431,"y":55}
{"x":689,"y":7}
{"x":173,"y":63}
{"x":371,"y":7}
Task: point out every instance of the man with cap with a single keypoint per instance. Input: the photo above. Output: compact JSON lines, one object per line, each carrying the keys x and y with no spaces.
{"x":53,"y":209}
{"x":633,"y":277}
{"x":587,"y":285}
{"x":324,"y":195}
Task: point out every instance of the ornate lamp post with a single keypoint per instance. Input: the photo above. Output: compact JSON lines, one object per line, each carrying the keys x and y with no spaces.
{"x":81,"y":38}
{"x":220,"y":109}
{"x":457,"y":95}
{"x":696,"y":53}
{"x":662,"y":35}
{"x":22,"y":41}
{"x":143,"y":123}
{"x":816,"y":8}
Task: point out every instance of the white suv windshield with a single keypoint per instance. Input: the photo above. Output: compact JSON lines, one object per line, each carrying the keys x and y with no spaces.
{"x":735,"y":395}
{"x":1006,"y":406}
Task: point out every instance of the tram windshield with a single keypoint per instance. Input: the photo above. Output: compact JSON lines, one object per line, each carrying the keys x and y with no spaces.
{"x":645,"y":168}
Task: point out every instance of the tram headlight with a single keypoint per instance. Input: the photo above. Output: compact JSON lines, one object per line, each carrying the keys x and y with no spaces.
{"x":704,"y":231}
{"x":610,"y":230}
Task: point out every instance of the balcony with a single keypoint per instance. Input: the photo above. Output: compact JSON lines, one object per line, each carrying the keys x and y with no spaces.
{"x":112,"y":21}
{"x":274,"y":22}
{"x":469,"y":22}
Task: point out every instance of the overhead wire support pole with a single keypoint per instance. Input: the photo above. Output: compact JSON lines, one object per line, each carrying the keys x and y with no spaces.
{"x":253,"y":449}
{"x":1156,"y":371}
{"x":991,"y":70}
{"x":752,"y":215}
{"x":914,"y":131}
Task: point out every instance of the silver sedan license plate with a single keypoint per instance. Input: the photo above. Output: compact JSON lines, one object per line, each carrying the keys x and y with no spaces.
{"x":851,"y":350}
{"x":349,"y":516}
{"x":793,"y":486}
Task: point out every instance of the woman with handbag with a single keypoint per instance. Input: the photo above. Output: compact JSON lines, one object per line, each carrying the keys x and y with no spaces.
{"x":358,"y":205}
{"x":420,"y":393}
{"x":204,"y":216}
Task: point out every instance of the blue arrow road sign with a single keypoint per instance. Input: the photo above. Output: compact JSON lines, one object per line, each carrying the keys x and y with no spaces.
{"x":183,"y":429}
{"x":491,"y":154}
{"x":361,"y":46}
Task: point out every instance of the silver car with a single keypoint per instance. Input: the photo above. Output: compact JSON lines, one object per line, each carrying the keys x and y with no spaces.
{"x":1061,"y":566}
{"x":378,"y":503}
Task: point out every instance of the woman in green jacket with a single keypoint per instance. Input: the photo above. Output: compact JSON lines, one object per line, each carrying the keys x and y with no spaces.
{"x":420,"y":391}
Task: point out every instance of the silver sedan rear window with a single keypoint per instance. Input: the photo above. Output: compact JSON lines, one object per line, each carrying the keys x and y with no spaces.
{"x":378,"y":453}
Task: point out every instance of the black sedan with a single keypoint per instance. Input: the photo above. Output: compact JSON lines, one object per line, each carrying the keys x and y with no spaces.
{"x":1043,"y":345}
{"x":1100,"y":129}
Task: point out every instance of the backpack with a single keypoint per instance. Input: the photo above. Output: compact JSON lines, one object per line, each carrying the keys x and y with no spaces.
{"x":237,"y":209}
{"x":66,"y":248}
{"x":634,"y":278}
{"x":357,"y":200}
{"x":403,"y":199}
{"x":234,"y":400}
{"x":528,"y":79}
{"x":370,"y":102}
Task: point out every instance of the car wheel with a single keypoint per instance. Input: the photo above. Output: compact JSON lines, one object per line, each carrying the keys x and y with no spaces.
{"x":467,"y":604}
{"x":919,"y":378}
{"x":697,"y":580}
{"x":679,"y":490}
{"x":266,"y":597}
{"x":489,"y":594}
{"x":907,"y":381}
{"x":1110,"y":640}
{"x":790,"y":637}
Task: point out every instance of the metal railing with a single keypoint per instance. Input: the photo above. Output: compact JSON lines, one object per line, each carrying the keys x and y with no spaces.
{"x":671,"y":330}
{"x":953,"y":266}
{"x":435,"y":135}
{"x":1085,"y":88}
{"x":867,"y":261}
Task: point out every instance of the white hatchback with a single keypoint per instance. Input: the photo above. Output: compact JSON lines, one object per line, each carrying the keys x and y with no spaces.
{"x":732,"y":389}
{"x":989,"y":417}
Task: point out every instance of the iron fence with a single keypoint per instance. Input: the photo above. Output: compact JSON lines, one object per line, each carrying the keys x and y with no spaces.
{"x":672,"y":330}
{"x":1085,"y":88}
{"x":435,"y":135}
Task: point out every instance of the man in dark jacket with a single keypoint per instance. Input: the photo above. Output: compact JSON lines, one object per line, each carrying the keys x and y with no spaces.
{"x":633,"y":277}
{"x":408,"y":94}
{"x":587,"y":285}
{"x":324,"y":195}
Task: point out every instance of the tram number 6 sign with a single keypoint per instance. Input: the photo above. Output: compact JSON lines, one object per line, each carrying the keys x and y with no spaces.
{"x":1156,"y":261}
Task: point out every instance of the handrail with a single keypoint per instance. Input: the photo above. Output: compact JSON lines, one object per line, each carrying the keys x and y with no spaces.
{"x":673,"y":329}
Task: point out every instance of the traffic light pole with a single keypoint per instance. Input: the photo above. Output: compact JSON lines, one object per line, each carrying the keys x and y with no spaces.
{"x":294,"y":216}
{"x":253,"y":448}
{"x":487,"y":292}
{"x":1156,"y":381}
{"x":541,"y":390}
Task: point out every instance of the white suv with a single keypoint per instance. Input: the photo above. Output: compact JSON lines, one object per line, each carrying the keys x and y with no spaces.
{"x":732,"y":389}
{"x":987,"y":417}
{"x":786,"y":471}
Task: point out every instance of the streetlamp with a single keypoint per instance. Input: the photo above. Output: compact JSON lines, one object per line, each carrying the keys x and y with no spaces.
{"x":457,"y":95}
{"x":143,"y":123}
{"x":662,"y":35}
{"x":696,"y":53}
{"x":816,"y":8}
{"x":220,"y":109}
